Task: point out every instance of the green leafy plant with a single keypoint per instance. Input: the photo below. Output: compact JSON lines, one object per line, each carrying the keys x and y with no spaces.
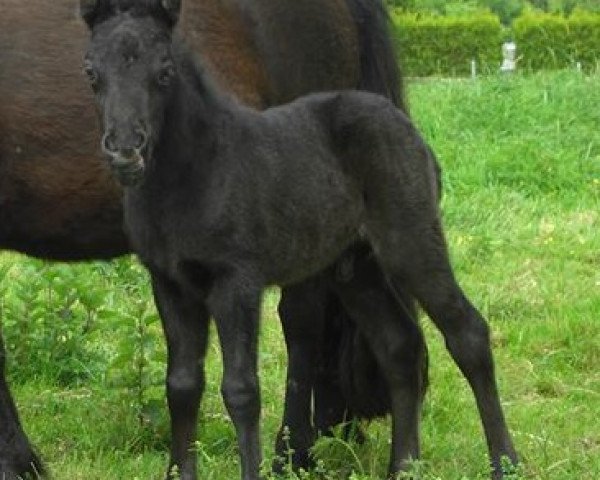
{"x":50,"y":315}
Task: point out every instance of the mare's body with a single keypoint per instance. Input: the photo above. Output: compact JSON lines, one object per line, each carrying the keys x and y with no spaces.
{"x":222,"y":200}
{"x":58,"y":200}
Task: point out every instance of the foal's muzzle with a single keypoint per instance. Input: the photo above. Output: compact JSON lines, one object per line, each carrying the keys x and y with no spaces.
{"x":129,"y":169}
{"x":126,"y":156}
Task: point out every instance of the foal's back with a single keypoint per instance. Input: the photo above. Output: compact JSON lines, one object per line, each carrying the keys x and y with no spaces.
{"x":309,"y":176}
{"x":358,"y":136}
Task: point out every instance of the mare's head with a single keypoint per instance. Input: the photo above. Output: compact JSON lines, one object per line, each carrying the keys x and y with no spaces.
{"x":131,"y":70}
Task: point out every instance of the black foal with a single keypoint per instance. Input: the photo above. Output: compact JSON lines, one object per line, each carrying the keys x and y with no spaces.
{"x":222,"y":200}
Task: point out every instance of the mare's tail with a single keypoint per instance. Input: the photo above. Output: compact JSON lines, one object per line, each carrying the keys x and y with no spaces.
{"x":347,"y":360}
{"x":380,"y":71}
{"x":348,"y":356}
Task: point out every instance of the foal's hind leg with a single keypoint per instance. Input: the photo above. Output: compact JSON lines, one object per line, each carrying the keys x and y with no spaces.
{"x":397,"y":342}
{"x":347,"y":364}
{"x":185,"y":323}
{"x":416,"y":258}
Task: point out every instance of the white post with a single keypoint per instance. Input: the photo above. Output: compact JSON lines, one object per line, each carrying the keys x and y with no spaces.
{"x":509,"y":52}
{"x":473,"y":69}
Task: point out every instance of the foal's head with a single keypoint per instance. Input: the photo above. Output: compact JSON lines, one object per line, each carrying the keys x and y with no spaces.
{"x":131,"y":70}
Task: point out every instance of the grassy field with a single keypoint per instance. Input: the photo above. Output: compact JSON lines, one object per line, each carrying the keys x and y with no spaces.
{"x":521,"y":160}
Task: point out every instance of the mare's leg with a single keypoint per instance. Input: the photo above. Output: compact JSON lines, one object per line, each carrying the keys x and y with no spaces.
{"x":314,"y":323}
{"x":17,"y":458}
{"x":234,"y":303}
{"x":330,"y":403}
{"x":302,"y":318}
{"x":398,"y":345}
{"x":185,"y":323}
{"x":416,"y":257}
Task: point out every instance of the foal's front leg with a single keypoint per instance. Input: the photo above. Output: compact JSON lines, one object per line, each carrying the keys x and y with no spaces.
{"x":234,"y":303}
{"x":185,"y":322}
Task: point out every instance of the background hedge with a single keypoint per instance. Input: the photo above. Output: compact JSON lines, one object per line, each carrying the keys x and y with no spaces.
{"x":445,"y":45}
{"x":546,"y":41}
{"x":430,"y":45}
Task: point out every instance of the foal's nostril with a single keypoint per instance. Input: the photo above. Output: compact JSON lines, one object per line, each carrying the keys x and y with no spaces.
{"x":108,"y":143}
{"x":125,"y":147}
{"x":141,"y":138}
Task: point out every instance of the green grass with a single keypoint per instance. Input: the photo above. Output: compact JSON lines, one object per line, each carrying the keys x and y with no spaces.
{"x":521,"y":160}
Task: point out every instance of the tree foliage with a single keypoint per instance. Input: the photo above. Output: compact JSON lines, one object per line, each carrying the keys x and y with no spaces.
{"x":507,"y":10}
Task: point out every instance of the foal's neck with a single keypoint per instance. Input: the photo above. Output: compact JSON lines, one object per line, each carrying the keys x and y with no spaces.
{"x":196,"y":112}
{"x":198,"y":90}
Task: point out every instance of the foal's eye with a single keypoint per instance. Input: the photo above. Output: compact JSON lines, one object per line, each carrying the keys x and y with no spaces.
{"x":165,"y":75}
{"x":90,"y":72}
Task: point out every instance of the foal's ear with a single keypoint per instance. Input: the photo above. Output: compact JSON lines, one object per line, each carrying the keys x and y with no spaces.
{"x":172,"y":8}
{"x":90,"y":10}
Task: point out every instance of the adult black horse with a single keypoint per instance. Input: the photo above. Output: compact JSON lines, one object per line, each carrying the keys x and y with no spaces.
{"x":58,"y":201}
{"x":221,"y":200}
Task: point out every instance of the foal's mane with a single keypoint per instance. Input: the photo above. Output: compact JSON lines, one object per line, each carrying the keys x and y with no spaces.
{"x":191,"y":68}
{"x":100,"y":10}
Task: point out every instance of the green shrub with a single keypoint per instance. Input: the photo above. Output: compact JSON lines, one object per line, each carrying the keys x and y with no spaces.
{"x":441,"y":7}
{"x":584,"y":30}
{"x":542,"y":40}
{"x":554,"y":41}
{"x":430,"y":45}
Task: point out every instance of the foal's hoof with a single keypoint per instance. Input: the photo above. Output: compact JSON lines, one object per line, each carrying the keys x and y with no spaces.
{"x":26,"y":468}
{"x":506,"y":468}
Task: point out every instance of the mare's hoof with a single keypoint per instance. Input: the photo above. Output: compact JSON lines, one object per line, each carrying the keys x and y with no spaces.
{"x":353,"y":432}
{"x":284,"y":465}
{"x":350,"y":431}
{"x":293,"y":451}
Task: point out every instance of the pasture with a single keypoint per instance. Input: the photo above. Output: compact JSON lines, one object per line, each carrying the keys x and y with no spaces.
{"x":521,"y":160}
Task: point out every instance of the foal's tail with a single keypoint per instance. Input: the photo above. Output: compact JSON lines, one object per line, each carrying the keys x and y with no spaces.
{"x":380,"y":71}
